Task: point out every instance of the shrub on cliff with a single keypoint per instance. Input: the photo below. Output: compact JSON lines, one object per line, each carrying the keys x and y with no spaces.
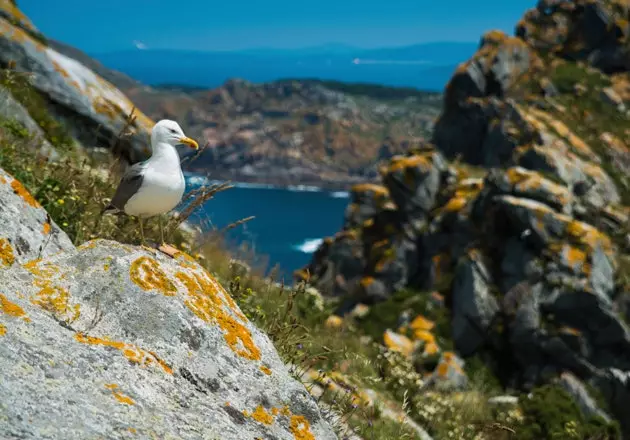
{"x":550,"y":412}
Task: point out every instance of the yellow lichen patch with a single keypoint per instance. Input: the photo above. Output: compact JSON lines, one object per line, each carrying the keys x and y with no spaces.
{"x":135,"y":354}
{"x":265,"y":370}
{"x":3,"y":330}
{"x":301,"y":429}
{"x":399,"y":163}
{"x":46,"y":228}
{"x":146,"y":273}
{"x":19,"y":189}
{"x":525,"y":180}
{"x":56,"y":300}
{"x":333,"y":322}
{"x":421,"y":323}
{"x":18,"y":35}
{"x":3,"y":180}
{"x":299,"y":425}
{"x":367,"y":282}
{"x":260,"y":415}
{"x":9,"y":308}
{"x":10,"y":8}
{"x":370,"y":187}
{"x":6,"y":253}
{"x":185,"y":260}
{"x":448,"y":363}
{"x":207,"y":299}
{"x":398,"y":342}
{"x":456,"y":204}
{"x":51,"y":297}
{"x":118,"y":395}
{"x":587,"y":235}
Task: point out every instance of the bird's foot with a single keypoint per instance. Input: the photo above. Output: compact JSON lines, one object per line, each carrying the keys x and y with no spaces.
{"x":169,"y":250}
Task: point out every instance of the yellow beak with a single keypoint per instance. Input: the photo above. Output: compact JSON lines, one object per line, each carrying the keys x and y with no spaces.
{"x":190,"y":142}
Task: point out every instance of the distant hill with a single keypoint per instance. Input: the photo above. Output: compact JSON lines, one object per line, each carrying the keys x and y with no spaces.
{"x":422,"y":66}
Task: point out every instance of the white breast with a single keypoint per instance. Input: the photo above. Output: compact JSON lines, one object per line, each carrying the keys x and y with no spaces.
{"x":160,"y":193}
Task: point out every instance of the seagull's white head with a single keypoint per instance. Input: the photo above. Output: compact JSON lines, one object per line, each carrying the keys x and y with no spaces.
{"x":169,"y":132}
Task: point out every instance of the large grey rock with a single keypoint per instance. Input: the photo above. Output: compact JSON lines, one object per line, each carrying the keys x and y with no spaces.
{"x":414,"y":181}
{"x":12,"y":111}
{"x":615,"y":386}
{"x":26,"y":231}
{"x":76,"y":93}
{"x":474,"y":307}
{"x":109,"y":341}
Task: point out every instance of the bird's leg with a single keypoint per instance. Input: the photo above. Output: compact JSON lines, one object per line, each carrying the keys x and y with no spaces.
{"x":161,"y":230}
{"x":141,"y":231}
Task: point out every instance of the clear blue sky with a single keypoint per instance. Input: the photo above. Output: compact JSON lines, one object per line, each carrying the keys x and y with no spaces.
{"x":104,"y":25}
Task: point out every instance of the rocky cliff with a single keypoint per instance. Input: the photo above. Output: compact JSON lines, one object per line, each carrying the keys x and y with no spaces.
{"x":516,"y":215}
{"x":115,"y":341}
{"x":294,"y":132}
{"x":89,"y":108}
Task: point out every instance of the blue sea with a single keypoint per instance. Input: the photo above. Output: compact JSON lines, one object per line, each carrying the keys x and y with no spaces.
{"x":288,"y":227}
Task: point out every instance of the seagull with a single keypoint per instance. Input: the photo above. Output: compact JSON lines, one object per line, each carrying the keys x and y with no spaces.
{"x":155,"y":186}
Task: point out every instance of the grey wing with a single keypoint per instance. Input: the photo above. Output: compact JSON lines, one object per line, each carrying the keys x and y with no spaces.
{"x":129,"y":185}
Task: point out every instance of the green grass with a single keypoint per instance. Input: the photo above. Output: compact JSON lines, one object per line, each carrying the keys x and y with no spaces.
{"x":19,"y":86}
{"x":550,"y":413}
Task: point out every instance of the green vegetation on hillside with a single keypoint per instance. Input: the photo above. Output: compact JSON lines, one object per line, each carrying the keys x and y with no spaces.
{"x":19,"y":86}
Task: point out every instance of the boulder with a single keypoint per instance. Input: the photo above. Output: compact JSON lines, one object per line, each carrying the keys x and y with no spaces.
{"x":594,"y":31}
{"x":110,"y":340}
{"x":13,"y":112}
{"x":413,"y":182}
{"x":77,"y":95}
{"x":26,"y":230}
{"x":474,"y":306}
{"x":615,"y":387}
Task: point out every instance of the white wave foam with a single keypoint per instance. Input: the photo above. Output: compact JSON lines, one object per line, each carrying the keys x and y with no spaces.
{"x":340,"y":194}
{"x":309,"y":245}
{"x":304,"y":188}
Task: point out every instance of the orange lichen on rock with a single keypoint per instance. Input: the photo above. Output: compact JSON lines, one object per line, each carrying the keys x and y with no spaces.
{"x":10,"y":8}
{"x":299,"y":425}
{"x":526,"y":180}
{"x":18,"y":35}
{"x":6,"y":253}
{"x":400,"y":163}
{"x":265,"y":370}
{"x":146,"y":273}
{"x":207,"y":299}
{"x":135,"y":354}
{"x":118,"y":395}
{"x":19,"y":189}
{"x":56,"y":300}
{"x":51,"y":297}
{"x":397,"y":342}
{"x":301,"y":429}
{"x":588,"y":236}
{"x":9,"y":308}
{"x":370,"y":187}
{"x":260,"y":415}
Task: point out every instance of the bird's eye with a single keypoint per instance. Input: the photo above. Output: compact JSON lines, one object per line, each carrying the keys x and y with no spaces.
{"x":172,"y":130}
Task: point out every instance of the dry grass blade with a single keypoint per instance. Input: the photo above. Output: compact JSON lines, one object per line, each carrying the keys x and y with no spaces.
{"x":197,"y":198}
